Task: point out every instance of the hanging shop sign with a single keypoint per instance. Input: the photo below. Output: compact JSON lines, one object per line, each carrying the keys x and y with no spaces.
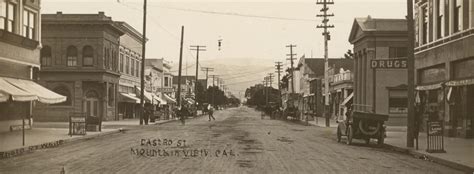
{"x":395,"y":63}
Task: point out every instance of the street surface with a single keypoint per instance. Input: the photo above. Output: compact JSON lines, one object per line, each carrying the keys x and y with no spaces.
{"x":239,"y":141}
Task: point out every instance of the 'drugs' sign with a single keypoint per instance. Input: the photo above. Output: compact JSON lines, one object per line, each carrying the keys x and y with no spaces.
{"x":398,"y":63}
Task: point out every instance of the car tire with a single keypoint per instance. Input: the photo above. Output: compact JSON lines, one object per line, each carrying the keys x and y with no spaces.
{"x":350,"y":134}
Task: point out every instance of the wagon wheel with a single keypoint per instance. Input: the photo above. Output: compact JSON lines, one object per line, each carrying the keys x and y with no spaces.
{"x":338,"y":135}
{"x":350,"y":134}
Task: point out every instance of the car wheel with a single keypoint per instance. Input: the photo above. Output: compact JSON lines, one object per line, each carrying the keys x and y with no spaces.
{"x":338,"y":135}
{"x":367,"y":141}
{"x":380,"y":140}
{"x":350,"y":133}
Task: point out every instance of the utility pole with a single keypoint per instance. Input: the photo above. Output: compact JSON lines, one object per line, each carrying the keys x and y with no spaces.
{"x":197,"y":48}
{"x":411,"y":76}
{"x":178,"y":99}
{"x":207,"y":69}
{"x":327,"y":37}
{"x":278,"y":67}
{"x":291,"y":69}
{"x":213,"y":88}
{"x":270,"y":78}
{"x":266,"y":90}
{"x":142,"y":78}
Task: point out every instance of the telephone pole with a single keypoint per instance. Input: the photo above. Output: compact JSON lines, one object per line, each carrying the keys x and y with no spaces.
{"x":197,"y":48}
{"x":411,"y":75}
{"x":270,"y":78}
{"x":213,"y":88}
{"x":291,"y":69}
{"x":266,"y":90}
{"x":278,"y":67}
{"x":207,"y":69}
{"x":178,"y":99}
{"x":142,"y":72}
{"x":327,"y":37}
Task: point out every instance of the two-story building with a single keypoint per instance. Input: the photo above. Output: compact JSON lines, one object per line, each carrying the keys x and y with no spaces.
{"x":129,"y":67}
{"x":79,"y":59}
{"x":443,"y":64}
{"x":20,"y":35}
{"x":384,"y":90}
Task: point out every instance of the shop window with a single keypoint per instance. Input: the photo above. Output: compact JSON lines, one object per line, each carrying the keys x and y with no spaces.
{"x":62,"y":90}
{"x":29,"y":21}
{"x":88,"y":56}
{"x":71,"y":55}
{"x":46,"y":59}
{"x":398,"y":105}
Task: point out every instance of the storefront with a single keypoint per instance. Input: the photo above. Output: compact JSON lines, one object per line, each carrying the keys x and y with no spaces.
{"x":127,"y":105}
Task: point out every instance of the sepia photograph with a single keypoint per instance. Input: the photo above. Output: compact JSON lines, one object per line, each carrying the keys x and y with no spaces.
{"x":237,"y":86}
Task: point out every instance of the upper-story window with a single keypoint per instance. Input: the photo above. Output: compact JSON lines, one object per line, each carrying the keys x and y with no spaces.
{"x":127,"y":65}
{"x":121,"y":62}
{"x":7,"y":16}
{"x":397,"y":52}
{"x":71,"y":55}
{"x":440,"y":22}
{"x":424,"y":34}
{"x":46,"y":59}
{"x":457,"y":15}
{"x":166,"y":82}
{"x":29,"y":21}
{"x":133,"y":67}
{"x":88,"y":56}
{"x":137,"y":68}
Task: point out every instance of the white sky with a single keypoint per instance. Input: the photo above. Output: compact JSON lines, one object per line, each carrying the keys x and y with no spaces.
{"x":246,"y":40}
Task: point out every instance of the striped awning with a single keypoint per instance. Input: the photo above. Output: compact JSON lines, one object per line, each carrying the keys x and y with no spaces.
{"x":27,"y":90}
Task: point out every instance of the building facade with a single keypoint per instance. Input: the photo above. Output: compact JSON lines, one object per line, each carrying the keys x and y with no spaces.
{"x":79,"y":59}
{"x":380,"y":39}
{"x":443,"y":64}
{"x":129,"y":66}
{"x":20,"y":35}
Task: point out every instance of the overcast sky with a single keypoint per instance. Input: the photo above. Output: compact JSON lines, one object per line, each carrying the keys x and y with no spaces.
{"x":253,"y":31}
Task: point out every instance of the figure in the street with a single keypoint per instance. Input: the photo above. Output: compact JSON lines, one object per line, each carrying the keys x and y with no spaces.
{"x":182,"y":114}
{"x":211,"y":112}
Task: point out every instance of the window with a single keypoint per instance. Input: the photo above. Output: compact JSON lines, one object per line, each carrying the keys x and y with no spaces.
{"x":29,"y":19}
{"x":88,"y":56}
{"x":121,"y":62}
{"x":424,"y":34}
{"x":457,"y":15}
{"x":111,"y":95}
{"x":137,"y":69}
{"x":46,"y":59}
{"x":398,"y":105}
{"x":71,"y":55}
{"x":7,"y":16}
{"x":62,"y":90}
{"x":133,"y":67}
{"x":166,"y":82}
{"x":127,"y":65}
{"x":440,"y":19}
{"x":397,"y":52}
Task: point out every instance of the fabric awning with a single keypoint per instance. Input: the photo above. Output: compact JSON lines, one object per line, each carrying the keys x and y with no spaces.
{"x":147,"y":96}
{"x":428,"y":87}
{"x":460,"y":82}
{"x":32,"y":91}
{"x":7,"y":90}
{"x":129,"y":98}
{"x":169,"y":99}
{"x":161,"y":100}
{"x":347,"y":99}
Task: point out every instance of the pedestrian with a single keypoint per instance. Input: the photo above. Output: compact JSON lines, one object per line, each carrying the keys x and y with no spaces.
{"x":211,"y":111}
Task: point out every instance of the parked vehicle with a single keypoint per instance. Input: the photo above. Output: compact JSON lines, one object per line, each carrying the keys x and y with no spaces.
{"x":362,"y":125}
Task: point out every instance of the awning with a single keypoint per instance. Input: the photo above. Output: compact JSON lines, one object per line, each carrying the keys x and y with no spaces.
{"x":3,"y":97}
{"x":460,"y":82}
{"x":129,"y":98}
{"x":428,"y":87}
{"x":169,"y":99}
{"x":41,"y":93}
{"x":7,"y":90}
{"x":147,"y":96}
{"x":190,"y":101}
{"x":347,"y":99}
{"x":161,"y":100}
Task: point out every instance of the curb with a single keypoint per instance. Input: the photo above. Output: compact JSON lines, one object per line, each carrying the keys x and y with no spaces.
{"x":419,"y":155}
{"x":49,"y":145}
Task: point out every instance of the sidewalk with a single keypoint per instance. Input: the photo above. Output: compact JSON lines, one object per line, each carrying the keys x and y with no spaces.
{"x":459,"y":151}
{"x":321,"y":122}
{"x":53,"y":134}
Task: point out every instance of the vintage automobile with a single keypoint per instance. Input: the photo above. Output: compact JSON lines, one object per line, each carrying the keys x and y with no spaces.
{"x":362,"y":125}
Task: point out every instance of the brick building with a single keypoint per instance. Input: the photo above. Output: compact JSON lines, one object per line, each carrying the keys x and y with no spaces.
{"x":79,"y":59}
{"x":443,"y":64}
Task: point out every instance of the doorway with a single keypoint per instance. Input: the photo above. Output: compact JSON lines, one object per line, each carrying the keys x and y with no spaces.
{"x":91,"y":104}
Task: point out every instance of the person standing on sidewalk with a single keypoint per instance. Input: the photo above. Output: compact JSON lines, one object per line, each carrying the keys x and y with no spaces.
{"x":211,"y":112}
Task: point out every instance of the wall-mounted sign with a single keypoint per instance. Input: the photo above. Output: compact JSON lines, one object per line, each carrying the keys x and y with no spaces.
{"x":395,"y":63}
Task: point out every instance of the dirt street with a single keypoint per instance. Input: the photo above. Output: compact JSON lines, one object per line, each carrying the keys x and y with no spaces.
{"x":239,"y":141}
